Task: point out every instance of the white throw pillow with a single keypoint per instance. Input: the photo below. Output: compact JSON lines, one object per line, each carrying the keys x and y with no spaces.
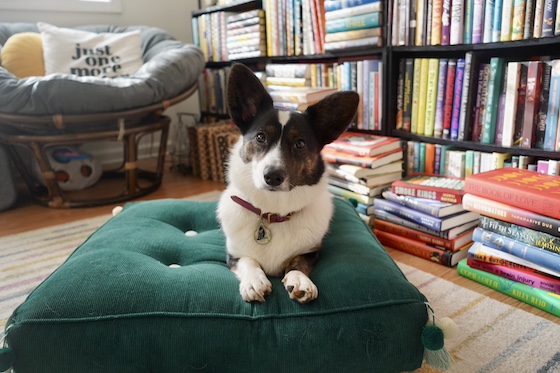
{"x":84,"y":53}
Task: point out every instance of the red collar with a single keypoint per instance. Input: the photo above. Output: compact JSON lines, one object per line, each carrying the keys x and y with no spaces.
{"x":271,"y":218}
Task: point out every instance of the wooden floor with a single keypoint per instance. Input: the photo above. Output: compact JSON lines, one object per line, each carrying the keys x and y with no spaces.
{"x":27,"y":215}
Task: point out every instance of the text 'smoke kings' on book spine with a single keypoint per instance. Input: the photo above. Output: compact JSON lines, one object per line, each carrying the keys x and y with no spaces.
{"x":439,"y":188}
{"x":520,"y":188}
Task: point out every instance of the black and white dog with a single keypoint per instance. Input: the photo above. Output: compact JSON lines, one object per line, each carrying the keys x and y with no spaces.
{"x":276,"y":208}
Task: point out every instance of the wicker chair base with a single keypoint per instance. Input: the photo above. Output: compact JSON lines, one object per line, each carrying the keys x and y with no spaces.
{"x":124,"y":182}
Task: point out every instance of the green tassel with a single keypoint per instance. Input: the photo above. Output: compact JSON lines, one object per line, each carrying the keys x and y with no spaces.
{"x":435,"y":353}
{"x":7,"y":358}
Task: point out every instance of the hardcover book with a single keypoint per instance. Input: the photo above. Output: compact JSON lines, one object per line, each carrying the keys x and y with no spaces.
{"x":449,"y":234}
{"x":334,"y":156}
{"x":421,"y":249}
{"x":539,"y":298}
{"x":439,"y":188}
{"x":521,"y":188}
{"x":491,"y":109}
{"x":428,"y":206}
{"x":365,"y":173}
{"x":429,"y":221}
{"x":363,"y":144}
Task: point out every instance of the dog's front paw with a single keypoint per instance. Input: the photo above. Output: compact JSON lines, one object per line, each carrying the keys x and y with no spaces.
{"x":300,"y":287}
{"x":255,"y":288}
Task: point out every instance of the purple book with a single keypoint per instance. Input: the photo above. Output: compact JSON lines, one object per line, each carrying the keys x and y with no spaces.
{"x":457,"y":99}
{"x":446,"y":22}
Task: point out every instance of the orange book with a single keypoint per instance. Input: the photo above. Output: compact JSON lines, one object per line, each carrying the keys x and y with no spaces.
{"x":521,"y":188}
{"x":430,"y":158}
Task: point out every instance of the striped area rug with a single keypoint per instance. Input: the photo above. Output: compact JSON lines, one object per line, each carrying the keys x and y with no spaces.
{"x":494,"y":337}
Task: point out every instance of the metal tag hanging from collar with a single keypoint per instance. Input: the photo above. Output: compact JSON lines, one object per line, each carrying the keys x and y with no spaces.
{"x":262,"y":234}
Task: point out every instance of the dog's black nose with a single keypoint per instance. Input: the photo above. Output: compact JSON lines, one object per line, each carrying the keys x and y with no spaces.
{"x":274,"y":177}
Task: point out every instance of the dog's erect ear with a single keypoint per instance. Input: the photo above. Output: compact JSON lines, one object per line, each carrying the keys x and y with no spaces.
{"x":246,"y":96}
{"x":331,"y":116}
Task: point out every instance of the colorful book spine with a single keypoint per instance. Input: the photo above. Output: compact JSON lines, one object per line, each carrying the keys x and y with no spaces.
{"x":440,"y":97}
{"x":448,"y":103}
{"x":532,"y":101}
{"x":468,"y":19}
{"x":524,"y":276}
{"x":407,"y":93}
{"x":446,"y":22}
{"x":501,"y":211}
{"x":363,"y":21}
{"x":549,"y":18}
{"x":488,"y":20}
{"x":422,"y":98}
{"x":478,"y":22}
{"x":553,"y":104}
{"x":430,"y":207}
{"x":538,"y":298}
{"x":540,"y":127}
{"x":507,"y":17}
{"x":465,"y":117}
{"x":456,"y":112}
{"x":415,"y":94}
{"x":421,"y":218}
{"x":529,"y":19}
{"x":423,"y":250}
{"x":331,"y":5}
{"x":512,"y":81}
{"x":518,"y":22}
{"x":480,"y":104}
{"x":431,"y":96}
{"x":491,"y":109}
{"x":437,"y":9}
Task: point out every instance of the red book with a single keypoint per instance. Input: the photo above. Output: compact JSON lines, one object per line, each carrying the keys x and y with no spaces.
{"x":363,"y":144}
{"x":423,"y":250}
{"x":449,"y":93}
{"x":532,"y":103}
{"x":333,"y":156}
{"x":453,"y":245}
{"x":527,"y":190}
{"x":438,"y":188}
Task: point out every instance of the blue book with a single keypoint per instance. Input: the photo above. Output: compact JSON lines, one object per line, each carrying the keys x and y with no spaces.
{"x":519,"y":249}
{"x":457,"y":94}
{"x":552,"y":111}
{"x":331,"y":5}
{"x":354,"y":23}
{"x":426,"y":220}
{"x":438,"y":209}
{"x":497,"y":21}
{"x":488,"y":20}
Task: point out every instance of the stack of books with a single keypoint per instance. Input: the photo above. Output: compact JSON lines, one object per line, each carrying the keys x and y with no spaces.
{"x":291,"y":86}
{"x":361,"y":166}
{"x":353,"y":24}
{"x":246,"y":35}
{"x":424,"y":216}
{"x":517,"y":243}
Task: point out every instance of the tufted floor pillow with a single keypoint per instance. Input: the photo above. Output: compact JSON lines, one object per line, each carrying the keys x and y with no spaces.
{"x":116,"y":305}
{"x":169,"y":68}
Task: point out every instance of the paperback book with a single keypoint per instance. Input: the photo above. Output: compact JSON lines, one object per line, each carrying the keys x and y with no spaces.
{"x":439,"y":188}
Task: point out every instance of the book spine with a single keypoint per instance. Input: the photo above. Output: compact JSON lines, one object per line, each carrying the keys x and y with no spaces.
{"x":488,"y":21}
{"x":549,"y":18}
{"x":448,"y":104}
{"x":465,"y":116}
{"x":511,"y":214}
{"x":512,"y":81}
{"x":507,"y":16}
{"x":353,"y":11}
{"x":518,"y":22}
{"x":407,"y":95}
{"x":459,"y":75}
{"x":413,"y":234}
{"x":524,"y":276}
{"x":483,"y":76}
{"x":431,"y":96}
{"x":521,"y":98}
{"x":426,"y":191}
{"x":537,"y":25}
{"x":457,"y":22}
{"x":494,"y":85}
{"x":425,"y":220}
{"x":413,"y":247}
{"x":413,"y":204}
{"x":477,"y":22}
{"x":516,"y":232}
{"x":529,"y":19}
{"x":421,"y":122}
{"x":437,"y":9}
{"x":538,"y":298}
{"x":446,"y":22}
{"x":552,"y":112}
{"x":440,"y":97}
{"x":331,"y":5}
{"x":421,"y":8}
{"x":354,"y":23}
{"x":532,"y":101}
{"x":540,"y":127}
{"x":395,"y":219}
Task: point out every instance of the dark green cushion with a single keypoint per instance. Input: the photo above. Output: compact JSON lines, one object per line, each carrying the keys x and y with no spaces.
{"x":116,"y":306}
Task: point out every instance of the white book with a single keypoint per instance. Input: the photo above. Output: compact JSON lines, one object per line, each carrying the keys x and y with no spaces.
{"x":457,"y":22}
{"x":537,"y":24}
{"x":354,"y":11}
{"x":513,"y":71}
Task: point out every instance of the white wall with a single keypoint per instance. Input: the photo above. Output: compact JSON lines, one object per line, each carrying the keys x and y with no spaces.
{"x":174,"y":16}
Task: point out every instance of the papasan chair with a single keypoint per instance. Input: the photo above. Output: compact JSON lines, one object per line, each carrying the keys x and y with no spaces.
{"x":41,"y":112}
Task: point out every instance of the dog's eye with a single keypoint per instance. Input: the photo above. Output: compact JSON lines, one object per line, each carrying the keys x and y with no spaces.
{"x":261,"y":138}
{"x":299,"y":144}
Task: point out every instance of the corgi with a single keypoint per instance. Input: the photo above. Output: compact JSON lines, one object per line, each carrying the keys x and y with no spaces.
{"x":276,"y":207}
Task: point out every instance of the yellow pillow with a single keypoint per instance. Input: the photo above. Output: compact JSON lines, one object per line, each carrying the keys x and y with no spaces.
{"x":22,"y":55}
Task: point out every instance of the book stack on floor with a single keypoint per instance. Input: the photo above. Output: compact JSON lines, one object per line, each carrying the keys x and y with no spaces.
{"x":424,"y":216}
{"x":353,"y":24}
{"x":361,"y":166}
{"x":291,"y":88}
{"x":517,"y":243}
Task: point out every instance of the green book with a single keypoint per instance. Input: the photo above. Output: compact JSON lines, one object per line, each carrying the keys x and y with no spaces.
{"x":542,"y":299}
{"x":359,"y":22}
{"x":491,"y":109}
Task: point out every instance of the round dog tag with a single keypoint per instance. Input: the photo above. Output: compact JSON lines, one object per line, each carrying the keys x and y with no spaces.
{"x":262,"y":234}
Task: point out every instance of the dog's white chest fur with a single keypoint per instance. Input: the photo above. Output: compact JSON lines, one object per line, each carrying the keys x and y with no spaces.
{"x":311,"y":206}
